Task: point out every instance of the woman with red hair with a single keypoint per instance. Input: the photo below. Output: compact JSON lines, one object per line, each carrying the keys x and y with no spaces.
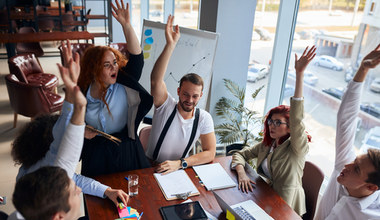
{"x":281,"y":155}
{"x":116,"y":103}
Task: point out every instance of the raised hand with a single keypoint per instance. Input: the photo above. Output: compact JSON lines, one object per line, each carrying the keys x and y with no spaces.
{"x":372,"y":59}
{"x":121,"y":13}
{"x":301,"y":63}
{"x":172,"y":36}
{"x":69,"y":75}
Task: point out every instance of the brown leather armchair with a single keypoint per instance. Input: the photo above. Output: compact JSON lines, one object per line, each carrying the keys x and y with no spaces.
{"x":122,"y":47}
{"x":29,"y":47}
{"x":30,"y":99}
{"x":27,"y":69}
{"x":76,"y":47}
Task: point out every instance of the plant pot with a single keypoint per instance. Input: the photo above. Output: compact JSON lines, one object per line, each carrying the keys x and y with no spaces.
{"x":231,"y":149}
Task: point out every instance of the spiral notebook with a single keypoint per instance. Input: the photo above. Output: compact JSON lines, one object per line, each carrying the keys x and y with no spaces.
{"x":213,"y":176}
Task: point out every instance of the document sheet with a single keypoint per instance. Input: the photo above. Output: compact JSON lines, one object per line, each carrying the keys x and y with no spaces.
{"x":174,"y":183}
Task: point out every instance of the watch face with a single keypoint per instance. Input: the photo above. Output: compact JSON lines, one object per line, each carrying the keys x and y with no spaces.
{"x":184,"y":164}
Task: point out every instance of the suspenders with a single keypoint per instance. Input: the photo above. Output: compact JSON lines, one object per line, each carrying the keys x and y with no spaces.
{"x":166,"y":128}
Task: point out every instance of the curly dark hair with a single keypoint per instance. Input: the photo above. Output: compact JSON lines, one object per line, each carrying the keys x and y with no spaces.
{"x":34,"y":140}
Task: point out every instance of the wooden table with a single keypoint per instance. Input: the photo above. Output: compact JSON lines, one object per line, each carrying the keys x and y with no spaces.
{"x":150,"y":197}
{"x":11,"y":39}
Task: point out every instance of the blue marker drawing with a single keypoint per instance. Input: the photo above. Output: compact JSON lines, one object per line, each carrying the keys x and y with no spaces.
{"x":149,"y":40}
{"x":148,"y":32}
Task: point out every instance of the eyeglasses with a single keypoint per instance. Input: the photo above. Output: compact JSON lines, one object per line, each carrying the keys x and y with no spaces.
{"x":276,"y":123}
{"x":108,"y":66}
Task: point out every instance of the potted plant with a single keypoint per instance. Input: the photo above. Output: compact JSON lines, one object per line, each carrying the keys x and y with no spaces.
{"x":239,"y":128}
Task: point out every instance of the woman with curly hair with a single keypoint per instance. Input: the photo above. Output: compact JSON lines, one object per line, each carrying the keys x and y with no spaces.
{"x":116,"y":103}
{"x":281,"y":155}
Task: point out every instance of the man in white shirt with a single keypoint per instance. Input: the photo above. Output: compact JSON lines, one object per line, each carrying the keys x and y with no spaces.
{"x":171,"y":149}
{"x":353,"y":189}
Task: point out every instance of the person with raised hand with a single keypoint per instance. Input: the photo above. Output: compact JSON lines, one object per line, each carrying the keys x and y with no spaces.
{"x":353,"y":189}
{"x":281,"y":154}
{"x":116,"y":103}
{"x":187,"y":121}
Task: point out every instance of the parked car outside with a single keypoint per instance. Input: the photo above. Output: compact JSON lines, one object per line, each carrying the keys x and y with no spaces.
{"x":371,"y":140}
{"x":328,"y":62}
{"x":257,"y":71}
{"x":305,"y":34}
{"x":336,"y":92}
{"x":375,"y":85}
{"x":371,"y":108}
{"x":264,"y":33}
{"x":308,"y":77}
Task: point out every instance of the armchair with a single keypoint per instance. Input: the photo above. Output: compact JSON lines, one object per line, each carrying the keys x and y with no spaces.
{"x":27,"y":69}
{"x":30,"y":99}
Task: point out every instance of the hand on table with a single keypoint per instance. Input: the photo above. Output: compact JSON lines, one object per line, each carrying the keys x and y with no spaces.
{"x":168,"y":166}
{"x":113,"y":194}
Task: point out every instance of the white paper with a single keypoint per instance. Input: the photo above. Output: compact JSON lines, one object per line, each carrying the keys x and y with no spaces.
{"x":175,"y":183}
{"x":213,"y":176}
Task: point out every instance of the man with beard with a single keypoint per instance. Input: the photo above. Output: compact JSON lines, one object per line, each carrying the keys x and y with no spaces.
{"x":177,"y":125}
{"x":353,"y":189}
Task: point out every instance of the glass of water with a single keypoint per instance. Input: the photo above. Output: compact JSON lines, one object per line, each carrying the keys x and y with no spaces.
{"x":133,"y":184}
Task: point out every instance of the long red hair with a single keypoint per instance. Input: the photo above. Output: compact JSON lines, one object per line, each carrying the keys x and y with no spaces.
{"x":91,"y":68}
{"x":284,"y":110}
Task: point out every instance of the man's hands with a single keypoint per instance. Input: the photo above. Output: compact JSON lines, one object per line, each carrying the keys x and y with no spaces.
{"x":245,"y":183}
{"x":370,"y":61}
{"x":113,"y":194}
{"x":168,"y":166}
{"x":121,"y":13}
{"x":172,"y":36}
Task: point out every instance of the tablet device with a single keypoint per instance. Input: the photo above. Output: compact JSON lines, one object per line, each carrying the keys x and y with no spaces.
{"x":189,"y":210}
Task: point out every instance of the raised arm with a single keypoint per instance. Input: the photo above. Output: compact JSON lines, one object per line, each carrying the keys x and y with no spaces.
{"x":157,"y":84}
{"x":349,"y":109}
{"x":72,"y":141}
{"x":122,"y":15}
{"x":299,"y":138}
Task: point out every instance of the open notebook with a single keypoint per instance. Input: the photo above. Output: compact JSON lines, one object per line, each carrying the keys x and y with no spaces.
{"x":213,"y":176}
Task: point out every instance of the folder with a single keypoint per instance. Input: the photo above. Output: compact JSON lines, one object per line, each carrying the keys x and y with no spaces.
{"x":213,"y":176}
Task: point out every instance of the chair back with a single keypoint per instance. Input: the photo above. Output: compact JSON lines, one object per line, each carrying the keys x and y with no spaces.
{"x":23,"y":65}
{"x":311,"y":182}
{"x":29,"y":47}
{"x":76,"y":47}
{"x":144,"y":136}
{"x":122,"y":47}
{"x":31,"y":100}
{"x":67,"y":19}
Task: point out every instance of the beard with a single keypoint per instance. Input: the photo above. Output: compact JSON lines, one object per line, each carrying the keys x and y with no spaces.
{"x":187,"y":108}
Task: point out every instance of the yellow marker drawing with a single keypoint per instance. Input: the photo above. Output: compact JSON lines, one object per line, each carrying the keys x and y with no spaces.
{"x":146,"y":55}
{"x":147,"y":47}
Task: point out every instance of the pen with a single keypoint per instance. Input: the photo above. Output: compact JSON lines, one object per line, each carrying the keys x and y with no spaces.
{"x":141,"y":215}
{"x":126,"y":178}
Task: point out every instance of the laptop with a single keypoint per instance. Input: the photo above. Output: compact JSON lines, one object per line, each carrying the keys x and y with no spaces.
{"x":247,"y":210}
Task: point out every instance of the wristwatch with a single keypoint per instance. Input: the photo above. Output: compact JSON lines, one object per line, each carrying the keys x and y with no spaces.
{"x":183,"y":163}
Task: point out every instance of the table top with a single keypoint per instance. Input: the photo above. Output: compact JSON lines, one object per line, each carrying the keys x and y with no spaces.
{"x":44,"y":36}
{"x":150,"y":197}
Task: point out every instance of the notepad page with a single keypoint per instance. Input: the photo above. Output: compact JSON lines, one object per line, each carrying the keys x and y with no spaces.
{"x":175,"y":182}
{"x":214,"y":176}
